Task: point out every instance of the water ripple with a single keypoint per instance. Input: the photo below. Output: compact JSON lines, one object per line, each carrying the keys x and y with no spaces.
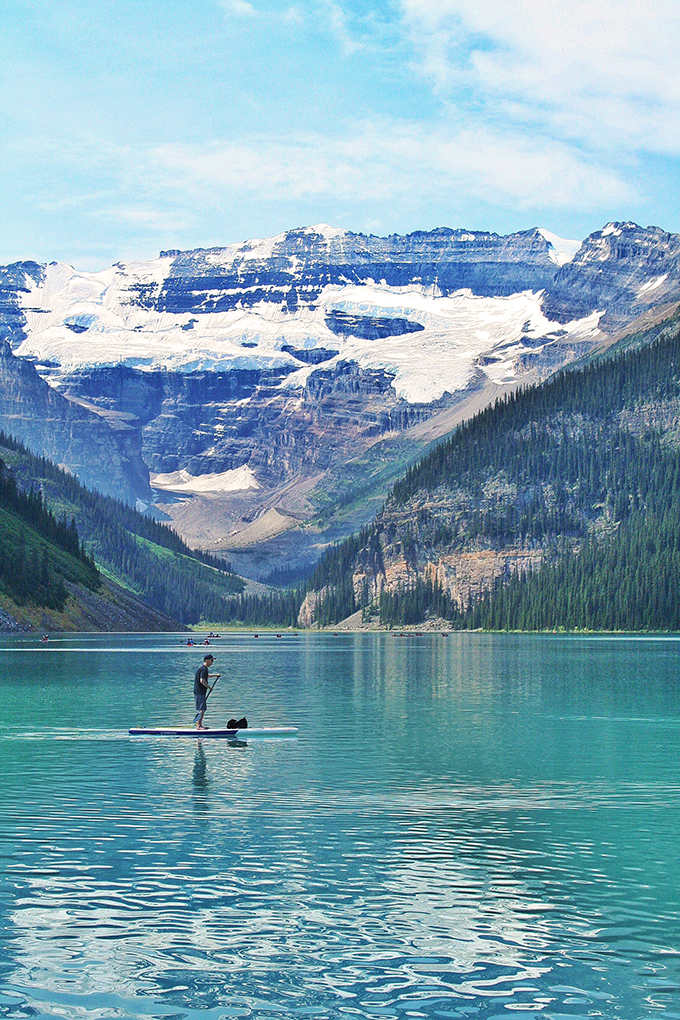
{"x":513,"y":853}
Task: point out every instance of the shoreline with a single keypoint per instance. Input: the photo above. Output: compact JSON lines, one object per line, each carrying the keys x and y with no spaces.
{"x":408,"y":630}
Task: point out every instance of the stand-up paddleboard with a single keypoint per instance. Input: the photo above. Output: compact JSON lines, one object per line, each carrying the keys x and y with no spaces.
{"x":233,"y":734}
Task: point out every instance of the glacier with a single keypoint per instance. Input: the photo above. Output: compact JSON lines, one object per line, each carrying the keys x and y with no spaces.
{"x":76,"y":320}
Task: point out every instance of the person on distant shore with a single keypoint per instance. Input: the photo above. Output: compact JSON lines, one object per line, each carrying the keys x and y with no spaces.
{"x":202,"y":688}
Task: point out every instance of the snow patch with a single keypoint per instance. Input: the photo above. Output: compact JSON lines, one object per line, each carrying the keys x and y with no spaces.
{"x":653,"y":284}
{"x":328,"y":232}
{"x":563,"y":249}
{"x":226,"y":481}
{"x":297,"y":380}
{"x":262,"y":249}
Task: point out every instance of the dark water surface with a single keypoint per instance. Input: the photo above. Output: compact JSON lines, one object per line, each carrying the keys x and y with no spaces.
{"x":472,"y":826}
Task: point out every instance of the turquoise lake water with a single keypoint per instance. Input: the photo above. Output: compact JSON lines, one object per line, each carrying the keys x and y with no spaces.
{"x":476,"y":826}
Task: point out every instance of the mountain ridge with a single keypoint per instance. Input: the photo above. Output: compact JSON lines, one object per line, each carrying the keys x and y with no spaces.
{"x":294,"y":355}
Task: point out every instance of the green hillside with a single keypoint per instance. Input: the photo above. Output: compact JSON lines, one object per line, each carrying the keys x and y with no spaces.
{"x":38,"y":553}
{"x":143,"y":556}
{"x":572,"y":488}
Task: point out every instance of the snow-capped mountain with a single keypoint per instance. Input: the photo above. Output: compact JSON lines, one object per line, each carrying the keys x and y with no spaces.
{"x":251,"y":371}
{"x":428,"y":343}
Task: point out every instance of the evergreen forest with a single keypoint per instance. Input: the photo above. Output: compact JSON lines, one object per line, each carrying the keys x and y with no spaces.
{"x":38,"y":552}
{"x":583,"y":472}
{"x":143,"y":555}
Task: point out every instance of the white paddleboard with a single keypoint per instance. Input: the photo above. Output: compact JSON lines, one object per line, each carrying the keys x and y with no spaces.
{"x":233,"y":734}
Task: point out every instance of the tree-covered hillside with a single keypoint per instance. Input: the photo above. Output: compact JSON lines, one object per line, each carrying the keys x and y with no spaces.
{"x":38,"y":552}
{"x":144,"y":556}
{"x":557,"y":507}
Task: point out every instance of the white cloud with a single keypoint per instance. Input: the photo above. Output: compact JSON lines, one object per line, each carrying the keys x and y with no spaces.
{"x":241,"y":8}
{"x":370,"y":161}
{"x":395,"y":171}
{"x":152,"y":219}
{"x":293,"y":16}
{"x":354,"y":33}
{"x":390,"y":160}
{"x":338,"y":24}
{"x":595,"y":73}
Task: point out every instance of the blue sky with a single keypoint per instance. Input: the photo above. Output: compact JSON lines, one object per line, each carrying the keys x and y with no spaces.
{"x":129,"y":126}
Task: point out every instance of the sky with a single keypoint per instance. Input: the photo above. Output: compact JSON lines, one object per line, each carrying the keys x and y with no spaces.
{"x":131,"y":126}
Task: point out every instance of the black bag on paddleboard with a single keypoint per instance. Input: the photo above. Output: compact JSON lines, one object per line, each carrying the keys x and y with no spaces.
{"x":238,"y":724}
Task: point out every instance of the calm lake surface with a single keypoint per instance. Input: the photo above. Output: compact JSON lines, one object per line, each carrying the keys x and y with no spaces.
{"x":473,"y":826}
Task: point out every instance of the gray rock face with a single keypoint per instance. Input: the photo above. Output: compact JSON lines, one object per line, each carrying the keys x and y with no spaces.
{"x":213,"y":422}
{"x":622,"y":270}
{"x":302,"y":262}
{"x":370,"y":328}
{"x":13,"y":282}
{"x":103,"y":456}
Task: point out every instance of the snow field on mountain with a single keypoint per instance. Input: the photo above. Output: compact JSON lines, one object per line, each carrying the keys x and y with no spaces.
{"x":225,"y":481}
{"x":563,"y":249}
{"x":78,"y":320}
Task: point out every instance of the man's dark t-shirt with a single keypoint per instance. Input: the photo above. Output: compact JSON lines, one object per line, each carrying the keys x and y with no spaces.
{"x":199,"y":688}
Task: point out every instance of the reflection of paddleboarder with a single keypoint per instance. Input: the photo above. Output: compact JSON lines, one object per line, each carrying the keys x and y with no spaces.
{"x":200,"y":766}
{"x":202,"y":688}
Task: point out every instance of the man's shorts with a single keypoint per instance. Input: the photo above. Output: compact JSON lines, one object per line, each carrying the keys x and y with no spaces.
{"x":201,"y":701}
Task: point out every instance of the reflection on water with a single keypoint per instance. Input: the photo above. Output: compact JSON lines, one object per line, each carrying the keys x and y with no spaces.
{"x":200,"y":762}
{"x":476,"y":827}
{"x":200,"y":779}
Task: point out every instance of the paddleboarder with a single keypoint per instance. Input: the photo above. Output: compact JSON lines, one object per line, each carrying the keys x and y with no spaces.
{"x":202,"y":688}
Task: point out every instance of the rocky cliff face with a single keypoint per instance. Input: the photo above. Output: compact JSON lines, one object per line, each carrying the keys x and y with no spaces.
{"x":214,"y":422}
{"x":103,"y":456}
{"x":293,"y":269}
{"x":15,"y":283}
{"x":433,"y":537}
{"x":622,"y":270}
{"x":293,"y":355}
